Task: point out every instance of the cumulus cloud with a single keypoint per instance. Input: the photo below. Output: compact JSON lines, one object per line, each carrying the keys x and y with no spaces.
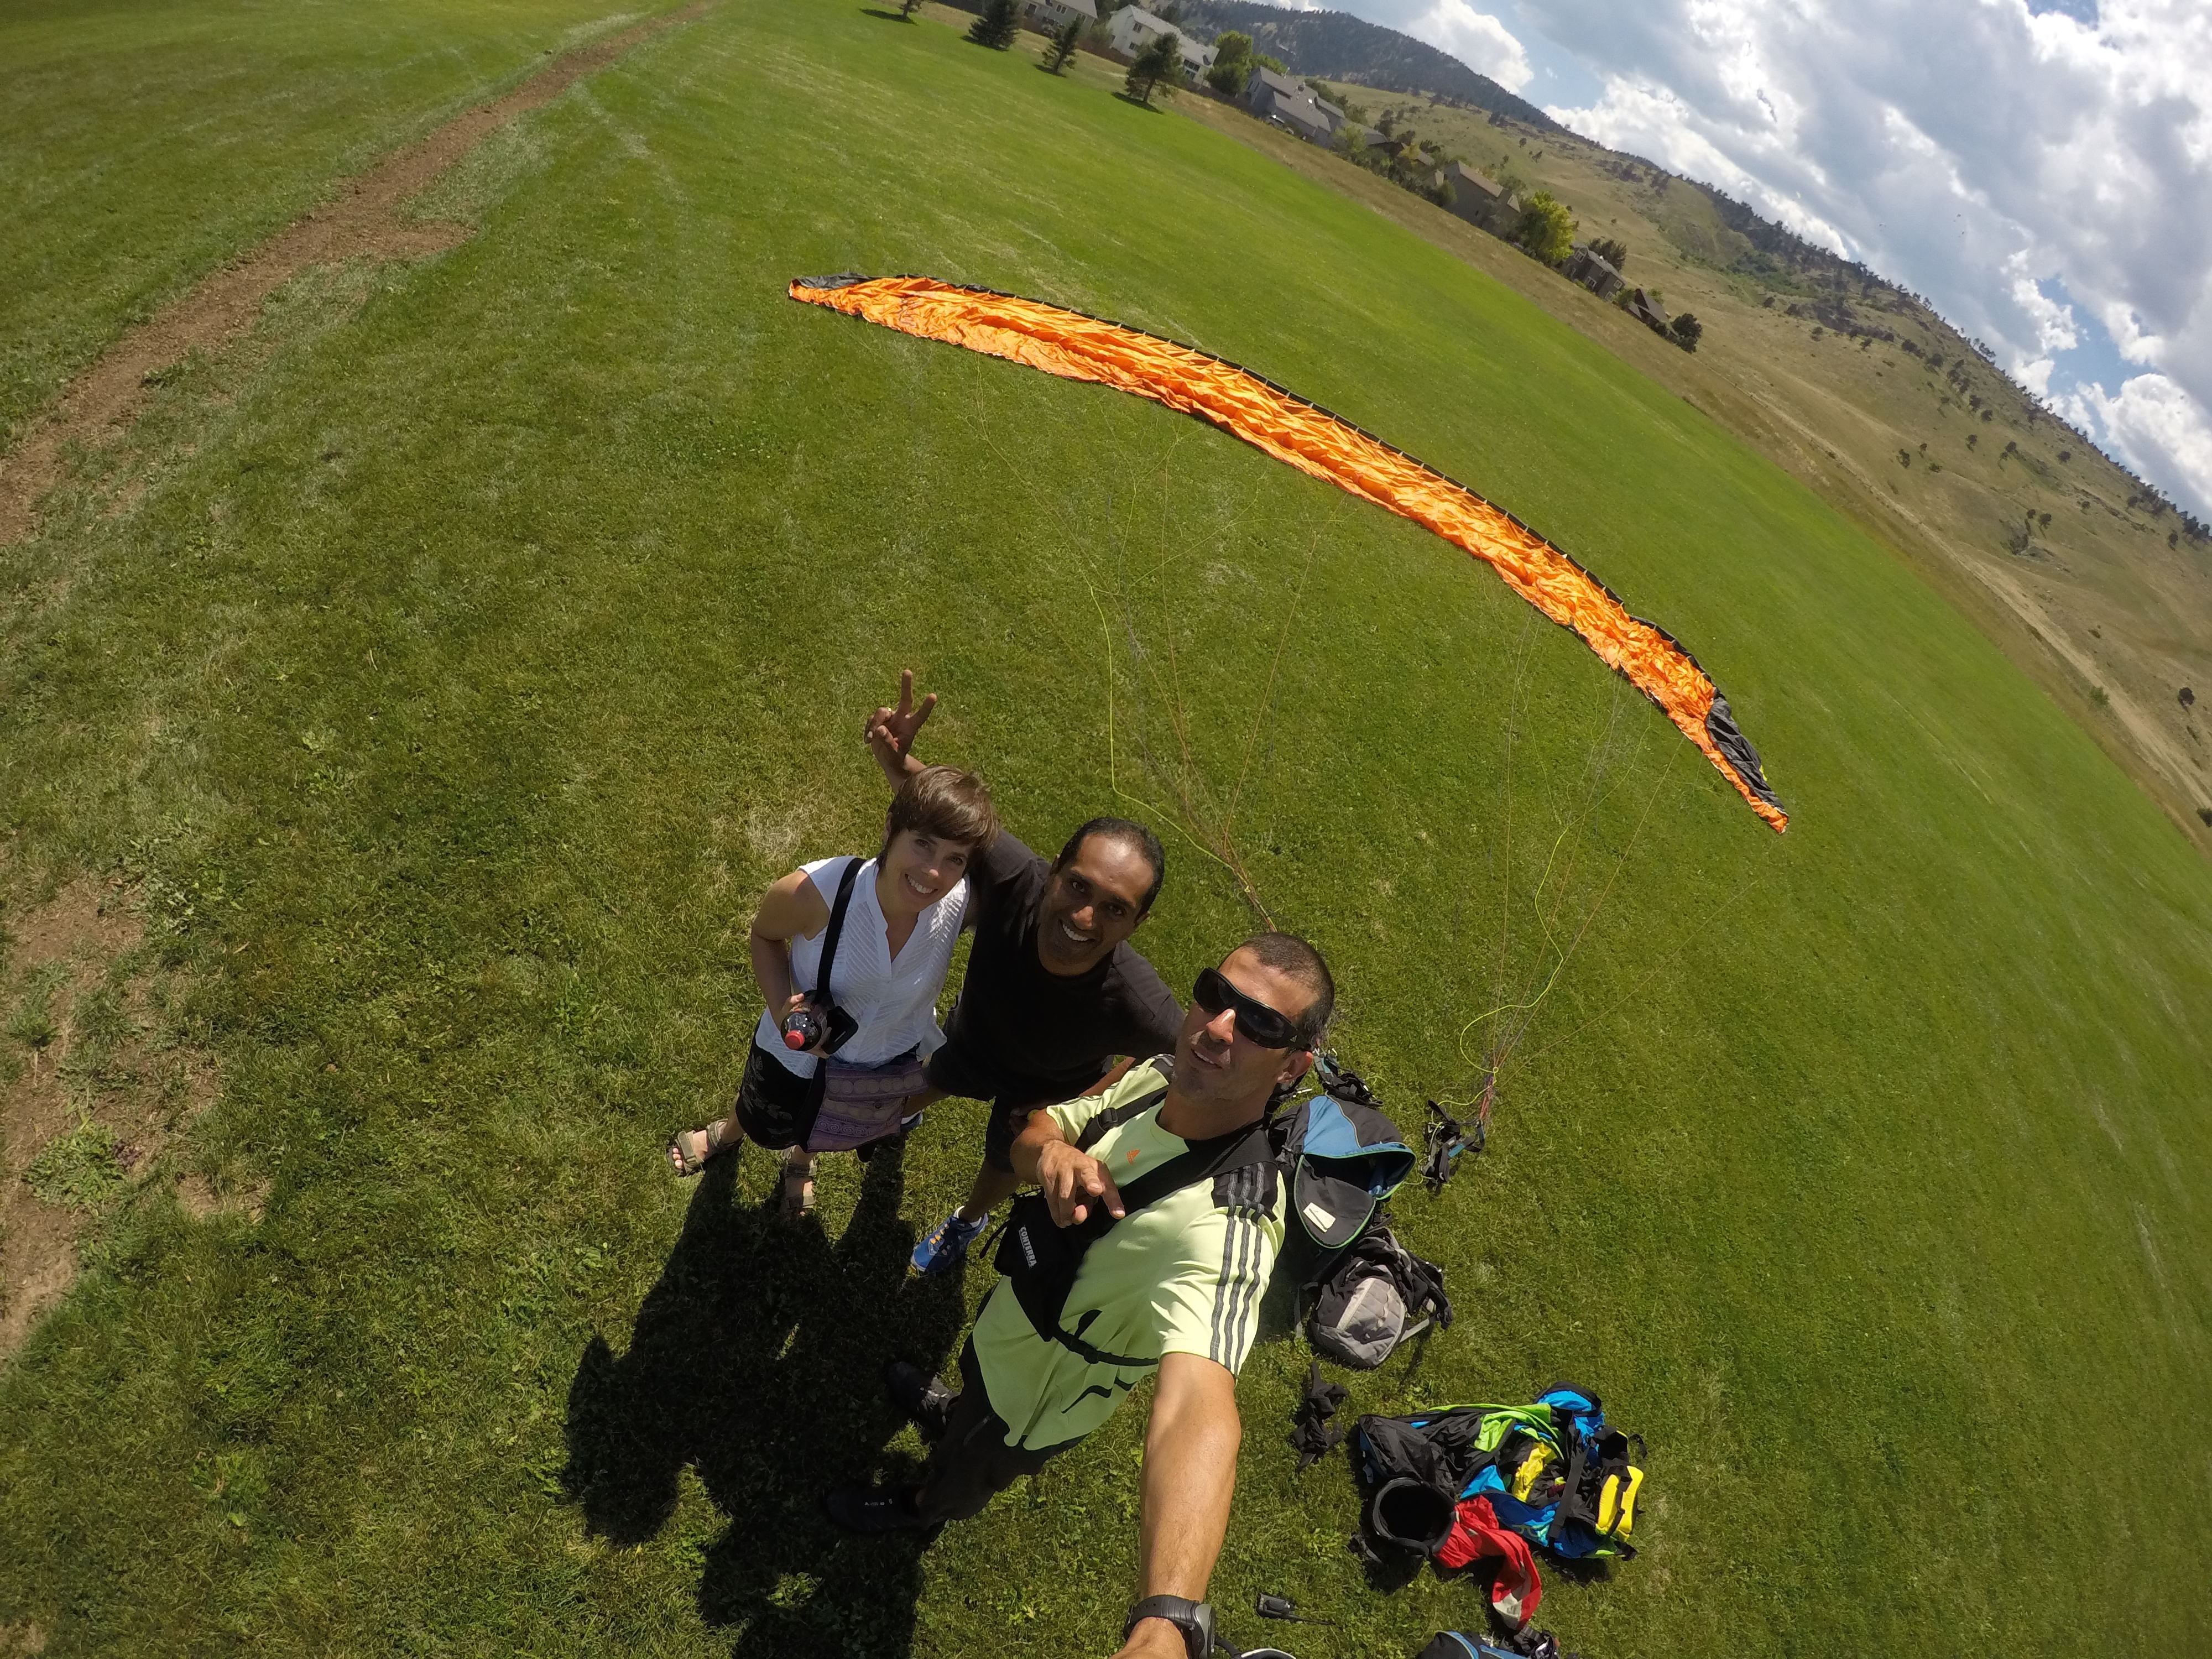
{"x":1476,"y":39}
{"x":2153,"y":425}
{"x":1979,"y":153}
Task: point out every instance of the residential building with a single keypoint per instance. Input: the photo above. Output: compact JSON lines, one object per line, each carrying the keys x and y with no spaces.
{"x":1642,"y":307}
{"x":1290,"y":102}
{"x":1594,"y":272}
{"x":1265,"y":85}
{"x":1133,"y":28}
{"x":1482,"y":200}
{"x":1054,"y":15}
{"x":1301,"y":116}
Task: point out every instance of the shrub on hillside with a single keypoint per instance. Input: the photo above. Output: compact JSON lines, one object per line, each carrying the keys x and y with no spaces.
{"x":1687,"y":330}
{"x":1547,"y":230}
{"x":997,"y":25}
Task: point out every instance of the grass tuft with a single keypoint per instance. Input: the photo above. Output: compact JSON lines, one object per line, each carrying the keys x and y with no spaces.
{"x":77,"y":1170}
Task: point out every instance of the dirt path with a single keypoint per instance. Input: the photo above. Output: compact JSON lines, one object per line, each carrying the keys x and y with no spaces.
{"x":363,"y":221}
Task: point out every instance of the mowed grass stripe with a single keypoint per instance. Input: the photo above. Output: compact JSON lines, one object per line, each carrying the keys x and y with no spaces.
{"x":1877,"y":1188}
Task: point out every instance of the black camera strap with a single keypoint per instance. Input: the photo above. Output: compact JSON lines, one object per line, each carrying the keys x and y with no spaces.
{"x":836,"y":926}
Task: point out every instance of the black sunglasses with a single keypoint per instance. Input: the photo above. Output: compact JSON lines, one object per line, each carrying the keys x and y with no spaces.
{"x":1255,"y":1020}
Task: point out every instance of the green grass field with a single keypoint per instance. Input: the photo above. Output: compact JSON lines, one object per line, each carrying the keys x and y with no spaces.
{"x":448,"y":672}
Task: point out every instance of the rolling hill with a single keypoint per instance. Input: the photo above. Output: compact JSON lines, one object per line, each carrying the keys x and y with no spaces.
{"x":1342,"y":47}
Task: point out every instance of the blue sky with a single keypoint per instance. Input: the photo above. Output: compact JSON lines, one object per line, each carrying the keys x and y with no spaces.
{"x":2041,"y":170}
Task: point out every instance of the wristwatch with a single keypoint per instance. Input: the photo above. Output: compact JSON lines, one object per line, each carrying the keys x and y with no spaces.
{"x":1194,"y":1618}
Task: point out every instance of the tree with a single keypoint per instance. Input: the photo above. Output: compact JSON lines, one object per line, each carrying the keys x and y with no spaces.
{"x":907,"y":9}
{"x":1063,"y":44}
{"x":1613,"y":250}
{"x":997,"y":27}
{"x":1687,"y":330}
{"x":1547,"y":230}
{"x":1232,"y":64}
{"x":1260,"y":60}
{"x":1162,"y":60}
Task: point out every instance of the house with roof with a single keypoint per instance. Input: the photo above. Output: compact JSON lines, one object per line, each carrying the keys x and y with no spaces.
{"x":1593,"y":271}
{"x":1133,"y":28}
{"x":1482,"y":200}
{"x":1054,"y":15}
{"x":1645,"y":309}
{"x":1290,"y":102}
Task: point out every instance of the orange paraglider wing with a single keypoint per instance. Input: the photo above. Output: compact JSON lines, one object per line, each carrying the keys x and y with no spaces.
{"x":1076,"y":347}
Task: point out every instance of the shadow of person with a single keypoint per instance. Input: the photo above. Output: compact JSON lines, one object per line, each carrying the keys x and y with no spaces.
{"x":757,"y":1360}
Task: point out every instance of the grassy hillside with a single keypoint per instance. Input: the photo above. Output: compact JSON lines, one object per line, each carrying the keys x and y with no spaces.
{"x":437,"y":683}
{"x":1881,"y":408}
{"x":149,"y":141}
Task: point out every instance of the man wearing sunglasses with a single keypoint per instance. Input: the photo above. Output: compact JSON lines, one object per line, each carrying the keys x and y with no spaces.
{"x":1053,"y":991}
{"x":1172,"y":1287}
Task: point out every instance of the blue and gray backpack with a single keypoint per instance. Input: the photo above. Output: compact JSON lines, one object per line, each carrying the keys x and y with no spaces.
{"x":1342,"y":1157}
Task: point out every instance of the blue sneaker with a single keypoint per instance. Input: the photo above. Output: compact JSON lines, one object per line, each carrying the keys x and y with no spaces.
{"x":944,"y":1246}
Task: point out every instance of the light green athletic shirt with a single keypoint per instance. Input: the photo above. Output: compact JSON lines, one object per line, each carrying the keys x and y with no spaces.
{"x":1179,"y":1276}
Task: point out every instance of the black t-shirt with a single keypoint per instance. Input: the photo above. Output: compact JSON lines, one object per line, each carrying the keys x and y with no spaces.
{"x":1015,"y":1020}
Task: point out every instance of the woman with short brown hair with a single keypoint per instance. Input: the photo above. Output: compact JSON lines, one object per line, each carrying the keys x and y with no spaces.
{"x":827,"y":1073}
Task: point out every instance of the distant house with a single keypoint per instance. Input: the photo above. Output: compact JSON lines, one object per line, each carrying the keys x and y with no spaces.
{"x":1642,"y":307}
{"x":1594,"y":272}
{"x":1303,"y":117}
{"x":1291,"y":103}
{"x":1482,"y":200}
{"x":1133,"y":28}
{"x":1265,"y":85}
{"x":1054,"y":15}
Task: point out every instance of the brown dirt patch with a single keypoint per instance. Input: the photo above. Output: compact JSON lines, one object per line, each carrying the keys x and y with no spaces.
{"x":364,"y":222}
{"x":107,"y":1064}
{"x":25,"y":1639}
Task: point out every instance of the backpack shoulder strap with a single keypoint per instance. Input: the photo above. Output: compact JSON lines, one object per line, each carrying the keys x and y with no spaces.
{"x":1193,"y":1164}
{"x":1114,"y":1117}
{"x":836,"y":926}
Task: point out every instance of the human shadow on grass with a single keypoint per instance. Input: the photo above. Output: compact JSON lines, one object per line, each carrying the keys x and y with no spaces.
{"x":757,"y":1360}
{"x":887,"y":16}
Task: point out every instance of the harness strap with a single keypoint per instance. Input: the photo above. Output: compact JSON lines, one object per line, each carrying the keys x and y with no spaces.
{"x":1114,"y":1117}
{"x":1186,"y":1169}
{"x":836,"y":926}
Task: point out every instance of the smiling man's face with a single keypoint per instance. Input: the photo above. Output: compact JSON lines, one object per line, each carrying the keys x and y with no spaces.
{"x":1091,"y":904}
{"x":1217,"y":1064}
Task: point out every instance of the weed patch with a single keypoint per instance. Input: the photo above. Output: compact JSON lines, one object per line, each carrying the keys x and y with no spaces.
{"x":77,"y":1170}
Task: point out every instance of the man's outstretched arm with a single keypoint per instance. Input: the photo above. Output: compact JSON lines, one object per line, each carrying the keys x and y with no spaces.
{"x":1190,"y":1474}
{"x":890,"y":733}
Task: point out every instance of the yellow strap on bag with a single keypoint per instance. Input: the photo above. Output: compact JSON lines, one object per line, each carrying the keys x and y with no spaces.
{"x":1616,"y":1504}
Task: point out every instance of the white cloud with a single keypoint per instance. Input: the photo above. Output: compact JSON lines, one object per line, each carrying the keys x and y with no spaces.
{"x":1965,"y":151}
{"x":1476,"y":39}
{"x":2054,"y":323}
{"x":2157,"y":428}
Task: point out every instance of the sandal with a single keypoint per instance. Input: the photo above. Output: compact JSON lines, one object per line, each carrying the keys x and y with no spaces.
{"x":686,"y":1165}
{"x":798,"y":1189}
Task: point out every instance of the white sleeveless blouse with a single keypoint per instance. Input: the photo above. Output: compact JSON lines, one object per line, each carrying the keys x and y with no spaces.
{"x":894,"y":999}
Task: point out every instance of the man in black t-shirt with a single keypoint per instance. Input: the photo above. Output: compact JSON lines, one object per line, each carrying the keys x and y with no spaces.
{"x":1054,"y":993}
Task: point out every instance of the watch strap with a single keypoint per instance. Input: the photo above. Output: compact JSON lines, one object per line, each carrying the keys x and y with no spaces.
{"x":1194,"y":1618}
